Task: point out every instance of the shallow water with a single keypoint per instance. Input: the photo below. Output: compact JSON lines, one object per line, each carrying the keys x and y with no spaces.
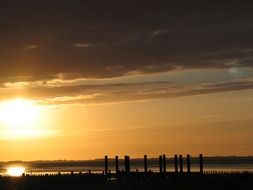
{"x":96,"y":166}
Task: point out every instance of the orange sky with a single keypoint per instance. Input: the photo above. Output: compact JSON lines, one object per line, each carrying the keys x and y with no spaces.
{"x":215,"y":124}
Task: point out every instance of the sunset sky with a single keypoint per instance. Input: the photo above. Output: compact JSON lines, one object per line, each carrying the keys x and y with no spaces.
{"x":81,"y":79}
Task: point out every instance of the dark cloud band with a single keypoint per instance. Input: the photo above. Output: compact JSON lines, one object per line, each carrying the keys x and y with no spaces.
{"x":95,"y":39}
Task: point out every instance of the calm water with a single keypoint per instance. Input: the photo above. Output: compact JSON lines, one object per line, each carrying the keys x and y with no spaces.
{"x":218,"y":164}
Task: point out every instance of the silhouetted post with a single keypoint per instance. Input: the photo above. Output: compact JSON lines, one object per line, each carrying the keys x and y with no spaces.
{"x":106,"y":165}
{"x":201,"y":163}
{"x":164,"y":163}
{"x":188,"y":163}
{"x":160,"y":164}
{"x":181,"y":163}
{"x":176,"y":163}
{"x":116,"y":164}
{"x":127,"y":164}
{"x":145,"y":163}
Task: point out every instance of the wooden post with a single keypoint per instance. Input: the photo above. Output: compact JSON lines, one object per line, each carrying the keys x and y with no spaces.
{"x":188,"y":163}
{"x":181,"y":163}
{"x":164,"y":163}
{"x":145,"y":163}
{"x":106,"y":165}
{"x":201,"y":163}
{"x":160,"y":164}
{"x":176,"y":163}
{"x":116,"y":164}
{"x":127,"y":164}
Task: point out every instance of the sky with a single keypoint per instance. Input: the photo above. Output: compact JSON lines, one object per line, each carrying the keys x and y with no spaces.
{"x":84,"y":79}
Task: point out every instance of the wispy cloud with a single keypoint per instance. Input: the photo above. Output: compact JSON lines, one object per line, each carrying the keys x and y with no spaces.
{"x":22,"y":134}
{"x":30,"y":47}
{"x":81,"y":45}
{"x":121,"y":92}
{"x":158,"y":33}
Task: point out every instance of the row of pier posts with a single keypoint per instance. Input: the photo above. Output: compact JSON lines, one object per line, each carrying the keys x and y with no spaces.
{"x":178,"y":162}
{"x":188,"y":162}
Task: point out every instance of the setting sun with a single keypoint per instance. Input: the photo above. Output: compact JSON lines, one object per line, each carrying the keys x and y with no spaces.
{"x":18,"y":116}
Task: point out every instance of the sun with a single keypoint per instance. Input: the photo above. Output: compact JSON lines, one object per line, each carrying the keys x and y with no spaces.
{"x":18,"y":115}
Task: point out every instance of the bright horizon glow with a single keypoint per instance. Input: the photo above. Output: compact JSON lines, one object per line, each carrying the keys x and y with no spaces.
{"x":15,"y":171}
{"x":19,"y":117}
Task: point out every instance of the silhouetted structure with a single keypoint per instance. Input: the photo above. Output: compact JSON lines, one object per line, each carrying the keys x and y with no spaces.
{"x":181,"y":163}
{"x":176,"y":163}
{"x":145,"y":163}
{"x":106,"y":165}
{"x":188,"y":161}
{"x":201,"y":163}
{"x":164,"y":163}
{"x":116,"y":164}
{"x":160,"y":164}
{"x":127,"y":164}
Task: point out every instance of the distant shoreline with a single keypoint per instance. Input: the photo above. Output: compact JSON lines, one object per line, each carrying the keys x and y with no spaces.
{"x":112,"y":158}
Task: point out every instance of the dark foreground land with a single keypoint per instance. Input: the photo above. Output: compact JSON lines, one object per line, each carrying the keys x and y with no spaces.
{"x":138,"y":181}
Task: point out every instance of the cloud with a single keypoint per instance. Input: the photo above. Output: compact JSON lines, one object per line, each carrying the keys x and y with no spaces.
{"x":81,"y":45}
{"x":158,"y":33}
{"x":127,"y":37}
{"x":121,"y":92}
{"x":30,"y":47}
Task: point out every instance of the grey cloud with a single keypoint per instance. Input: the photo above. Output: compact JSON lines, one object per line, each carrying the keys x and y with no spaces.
{"x":126,"y":37}
{"x":158,"y":33}
{"x":30,"y":47}
{"x":81,"y":45}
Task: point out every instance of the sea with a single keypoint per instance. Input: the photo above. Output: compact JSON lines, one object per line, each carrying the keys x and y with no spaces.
{"x":49,"y":167}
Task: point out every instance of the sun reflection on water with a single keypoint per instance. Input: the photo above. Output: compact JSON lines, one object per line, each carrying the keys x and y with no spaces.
{"x":15,"y":171}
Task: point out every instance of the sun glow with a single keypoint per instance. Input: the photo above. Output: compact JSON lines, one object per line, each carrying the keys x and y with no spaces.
{"x":15,"y":171}
{"x":19,"y":117}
